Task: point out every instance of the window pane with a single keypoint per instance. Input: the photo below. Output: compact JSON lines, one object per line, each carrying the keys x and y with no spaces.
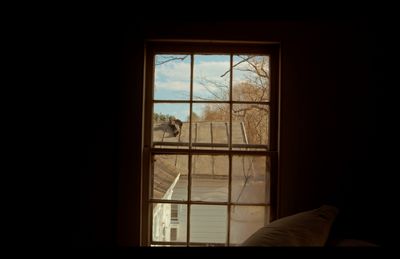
{"x":174,"y":212}
{"x":162,"y":223}
{"x":211,"y":77}
{"x":245,"y":220}
{"x":169,"y":177}
{"x":210,"y":178}
{"x":170,"y":126}
{"x":251,"y":76}
{"x":250,"y":124}
{"x":208,"y":224}
{"x":210,"y":125}
{"x":174,"y":234}
{"x":250,"y":179}
{"x":172,"y":77}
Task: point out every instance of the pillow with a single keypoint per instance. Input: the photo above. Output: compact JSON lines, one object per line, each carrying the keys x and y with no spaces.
{"x":308,"y":228}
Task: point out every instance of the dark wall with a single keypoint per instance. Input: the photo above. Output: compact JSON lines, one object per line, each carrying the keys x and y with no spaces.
{"x":330,"y":86}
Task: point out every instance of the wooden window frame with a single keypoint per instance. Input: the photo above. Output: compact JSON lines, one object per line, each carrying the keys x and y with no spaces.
{"x":154,"y":47}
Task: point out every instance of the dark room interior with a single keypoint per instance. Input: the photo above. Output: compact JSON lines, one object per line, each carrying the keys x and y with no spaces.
{"x":331,"y":132}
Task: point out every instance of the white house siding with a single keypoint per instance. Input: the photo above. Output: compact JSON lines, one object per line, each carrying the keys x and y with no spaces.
{"x":161,"y":221}
{"x":180,"y":193}
{"x":162,"y":216}
{"x":181,"y":225}
{"x":209,"y":222}
{"x":210,"y":182}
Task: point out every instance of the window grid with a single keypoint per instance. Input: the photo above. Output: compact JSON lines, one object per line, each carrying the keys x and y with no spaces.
{"x":190,"y":151}
{"x":266,"y":152}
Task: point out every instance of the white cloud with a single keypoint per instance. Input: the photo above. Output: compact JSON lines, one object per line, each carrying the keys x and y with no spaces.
{"x":172,"y":79}
{"x":211,"y":69}
{"x":176,"y":76}
{"x":208,"y":72}
{"x":173,"y":85}
{"x":173,"y":71}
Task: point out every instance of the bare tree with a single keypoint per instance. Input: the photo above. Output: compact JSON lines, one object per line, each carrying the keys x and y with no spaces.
{"x":254,"y":87}
{"x":165,"y":59}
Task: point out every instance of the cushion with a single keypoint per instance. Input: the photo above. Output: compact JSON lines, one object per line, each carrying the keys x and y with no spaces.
{"x":308,"y":228}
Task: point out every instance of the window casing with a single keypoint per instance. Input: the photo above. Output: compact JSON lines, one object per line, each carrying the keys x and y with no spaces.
{"x":215,"y":153}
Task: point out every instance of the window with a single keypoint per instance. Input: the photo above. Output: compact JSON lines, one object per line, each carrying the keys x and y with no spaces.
{"x":174,"y":213}
{"x":210,"y":143}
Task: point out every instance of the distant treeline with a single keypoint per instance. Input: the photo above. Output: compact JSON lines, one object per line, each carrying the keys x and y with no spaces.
{"x":162,"y":117}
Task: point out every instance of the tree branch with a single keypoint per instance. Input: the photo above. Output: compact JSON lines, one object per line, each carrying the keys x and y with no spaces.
{"x":212,"y":92}
{"x":172,"y":58}
{"x":256,"y":70}
{"x":244,"y":60}
{"x":249,"y":108}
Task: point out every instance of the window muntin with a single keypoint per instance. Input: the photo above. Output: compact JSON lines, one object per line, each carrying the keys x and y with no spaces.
{"x":227,"y":175}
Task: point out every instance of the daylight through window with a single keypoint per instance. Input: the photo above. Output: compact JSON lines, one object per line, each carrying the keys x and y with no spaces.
{"x":211,"y":154}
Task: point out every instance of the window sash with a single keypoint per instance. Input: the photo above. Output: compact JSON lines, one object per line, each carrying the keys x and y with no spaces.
{"x":149,"y":149}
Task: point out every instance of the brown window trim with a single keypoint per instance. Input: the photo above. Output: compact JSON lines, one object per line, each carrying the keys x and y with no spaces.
{"x":153,"y":47}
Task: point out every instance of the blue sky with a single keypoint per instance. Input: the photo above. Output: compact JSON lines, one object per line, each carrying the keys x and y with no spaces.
{"x":172,"y":81}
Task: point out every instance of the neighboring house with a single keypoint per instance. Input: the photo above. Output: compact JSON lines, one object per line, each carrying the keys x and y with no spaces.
{"x":166,"y":177}
{"x":210,"y":182}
